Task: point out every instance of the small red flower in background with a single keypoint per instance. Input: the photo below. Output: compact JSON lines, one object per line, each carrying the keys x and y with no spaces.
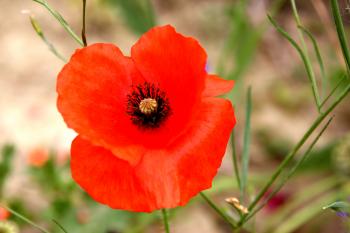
{"x":4,"y":214}
{"x":152,"y":134}
{"x":38,"y":157}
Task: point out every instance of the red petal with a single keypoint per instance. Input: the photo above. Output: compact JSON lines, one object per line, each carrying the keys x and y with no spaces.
{"x":214,"y":86}
{"x":164,"y":178}
{"x":92,"y":89}
{"x":106,"y":178}
{"x":177,"y":64}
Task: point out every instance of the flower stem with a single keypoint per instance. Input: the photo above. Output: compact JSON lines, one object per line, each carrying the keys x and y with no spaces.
{"x":166,"y":221}
{"x":296,"y":148}
{"x":83,"y":35}
{"x":218,"y":210}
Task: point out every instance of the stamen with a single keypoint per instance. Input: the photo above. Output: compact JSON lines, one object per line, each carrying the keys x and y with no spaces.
{"x":148,"y":106}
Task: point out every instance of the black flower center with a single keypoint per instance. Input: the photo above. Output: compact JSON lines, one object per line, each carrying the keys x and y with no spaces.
{"x":147,"y":105}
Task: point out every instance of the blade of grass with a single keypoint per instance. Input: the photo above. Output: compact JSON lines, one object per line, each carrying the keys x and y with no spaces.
{"x":25,"y":219}
{"x":246,"y":145}
{"x":291,"y":172}
{"x":235,"y":160}
{"x":304,"y":59}
{"x":333,"y":91}
{"x":341,"y":33}
{"x":303,"y":52}
{"x":61,"y":20}
{"x":295,"y":149}
{"x":165,"y":220}
{"x":41,"y":34}
{"x":318,"y":56}
{"x":218,"y":210}
{"x":60,"y":226}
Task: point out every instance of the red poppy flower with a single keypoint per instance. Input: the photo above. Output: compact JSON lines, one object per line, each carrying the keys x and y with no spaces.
{"x":152,"y":134}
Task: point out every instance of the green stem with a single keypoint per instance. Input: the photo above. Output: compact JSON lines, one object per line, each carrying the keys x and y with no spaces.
{"x":291,"y":172}
{"x":218,"y":210}
{"x":166,"y":221}
{"x":61,"y":20}
{"x":60,"y":226}
{"x":307,"y":59}
{"x":296,"y":148}
{"x":333,"y":91}
{"x":83,"y":35}
{"x":319,"y":59}
{"x":246,"y":145}
{"x":341,"y":33}
{"x":25,"y":219}
{"x":41,"y":34}
{"x":235,"y":160}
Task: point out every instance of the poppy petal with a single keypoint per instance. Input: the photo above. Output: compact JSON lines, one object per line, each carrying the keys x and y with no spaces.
{"x":92,"y":90}
{"x":215,"y":86}
{"x":177,"y":64}
{"x":107,"y":179}
{"x":163,"y":178}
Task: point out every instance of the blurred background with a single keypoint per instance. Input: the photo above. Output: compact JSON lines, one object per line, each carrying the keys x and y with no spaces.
{"x":241,"y":45}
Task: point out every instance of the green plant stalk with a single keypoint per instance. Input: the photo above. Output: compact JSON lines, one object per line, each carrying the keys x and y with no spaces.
{"x":165,"y":220}
{"x":296,"y":148}
{"x":235,"y":160}
{"x":25,"y":219}
{"x":218,"y":210}
{"x":83,"y":34}
{"x":61,"y":20}
{"x":291,"y":172}
{"x":60,"y":226}
{"x":246,"y":145}
{"x":341,"y":33}
{"x":303,"y":57}
{"x":306,"y":59}
{"x":333,"y":91}
{"x":41,"y":34}
{"x":319,"y":58}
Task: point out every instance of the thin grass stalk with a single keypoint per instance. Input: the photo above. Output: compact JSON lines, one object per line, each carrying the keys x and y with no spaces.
{"x":235,"y":160}
{"x":293,"y":152}
{"x":291,"y":172}
{"x":246,"y":145}
{"x":220,"y":212}
{"x":307,"y":62}
{"x":61,"y":20}
{"x":341,"y":33}
{"x":25,"y":219}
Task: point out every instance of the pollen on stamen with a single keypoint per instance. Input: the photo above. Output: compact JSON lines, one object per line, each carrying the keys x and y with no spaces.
{"x":148,"y":105}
